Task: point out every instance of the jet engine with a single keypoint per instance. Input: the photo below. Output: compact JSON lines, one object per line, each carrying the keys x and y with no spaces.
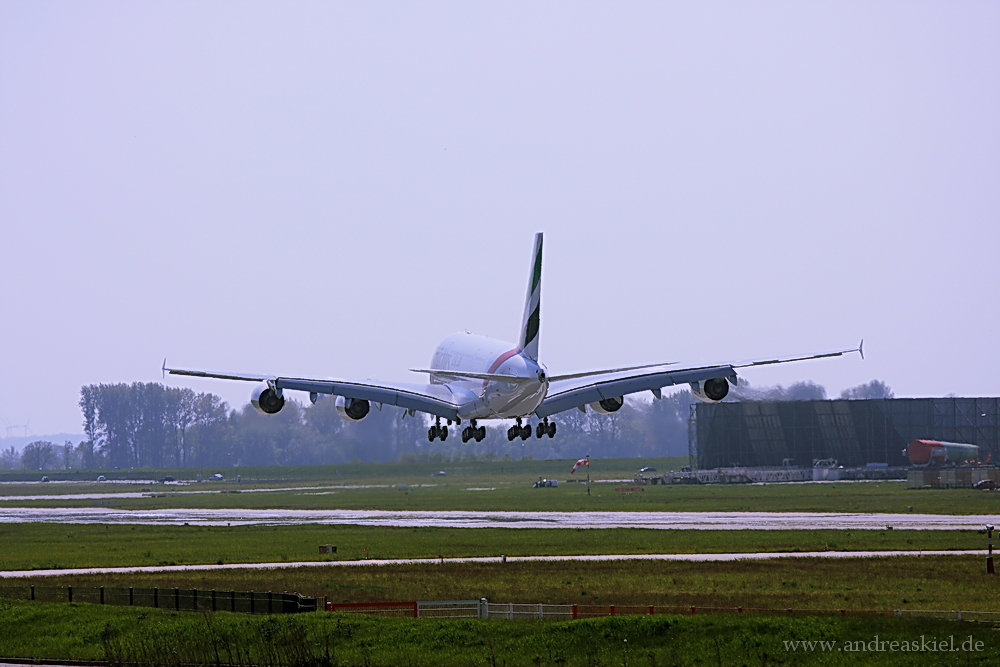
{"x":710,"y":391}
{"x":352,"y":409}
{"x":267,"y":401}
{"x":608,"y":405}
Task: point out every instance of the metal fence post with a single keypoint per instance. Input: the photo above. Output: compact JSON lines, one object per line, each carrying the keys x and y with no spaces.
{"x":156,"y":597}
{"x":270,"y":609}
{"x":177,"y":599}
{"x":484,"y":608}
{"x":131,"y":597}
{"x":194,"y":598}
{"x":251,"y":602}
{"x":576,"y":611}
{"x":102,"y":594}
{"x":213,"y":599}
{"x":232,"y":600}
{"x":69,"y":591}
{"x":510,"y":611}
{"x":32,"y":591}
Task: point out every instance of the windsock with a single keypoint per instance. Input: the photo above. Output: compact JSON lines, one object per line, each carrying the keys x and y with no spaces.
{"x":580,"y":462}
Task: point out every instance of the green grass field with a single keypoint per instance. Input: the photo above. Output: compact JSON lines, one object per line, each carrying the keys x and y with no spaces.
{"x":360,"y":472}
{"x":899,"y":582}
{"x":488,"y":486}
{"x":80,"y":631}
{"x":57,"y":546}
{"x":157,"y":637}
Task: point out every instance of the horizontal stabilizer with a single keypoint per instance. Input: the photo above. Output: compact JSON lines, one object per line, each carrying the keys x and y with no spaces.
{"x":607,"y":371}
{"x":495,"y":377}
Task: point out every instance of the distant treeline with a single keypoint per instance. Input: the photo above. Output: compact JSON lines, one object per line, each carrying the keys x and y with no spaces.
{"x":151,"y":425}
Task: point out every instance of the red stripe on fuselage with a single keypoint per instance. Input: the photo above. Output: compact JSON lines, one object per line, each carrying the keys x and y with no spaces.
{"x":502,"y":358}
{"x":499,"y":361}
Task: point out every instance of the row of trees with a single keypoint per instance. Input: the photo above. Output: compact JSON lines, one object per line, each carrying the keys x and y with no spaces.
{"x":151,"y":425}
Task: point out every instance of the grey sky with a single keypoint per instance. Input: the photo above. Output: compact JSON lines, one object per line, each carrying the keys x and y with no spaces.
{"x":329,"y":189}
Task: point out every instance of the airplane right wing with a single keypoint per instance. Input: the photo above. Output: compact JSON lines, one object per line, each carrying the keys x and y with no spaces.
{"x":434,"y":399}
{"x":579,"y":389}
{"x":566,"y":394}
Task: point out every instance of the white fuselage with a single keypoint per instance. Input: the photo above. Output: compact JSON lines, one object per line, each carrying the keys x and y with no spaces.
{"x":489,"y":399}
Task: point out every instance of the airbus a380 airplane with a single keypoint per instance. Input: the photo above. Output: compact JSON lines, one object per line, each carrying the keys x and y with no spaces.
{"x":475,"y":378}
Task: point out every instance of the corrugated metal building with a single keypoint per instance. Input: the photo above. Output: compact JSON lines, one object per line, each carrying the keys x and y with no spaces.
{"x":855,"y":433}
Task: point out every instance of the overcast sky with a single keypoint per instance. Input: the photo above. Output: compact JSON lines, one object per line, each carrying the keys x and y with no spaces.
{"x":328,"y":189}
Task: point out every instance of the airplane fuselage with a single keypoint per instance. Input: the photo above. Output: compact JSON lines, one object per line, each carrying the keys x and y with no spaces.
{"x":477,"y":378}
{"x":489,"y":399}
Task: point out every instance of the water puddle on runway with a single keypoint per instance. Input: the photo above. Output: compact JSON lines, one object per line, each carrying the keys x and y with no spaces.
{"x":458,"y":519}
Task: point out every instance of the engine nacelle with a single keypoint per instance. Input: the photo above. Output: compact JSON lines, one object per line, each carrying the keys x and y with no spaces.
{"x":267,"y":401}
{"x":352,"y":409}
{"x":608,"y":405}
{"x":710,"y":391}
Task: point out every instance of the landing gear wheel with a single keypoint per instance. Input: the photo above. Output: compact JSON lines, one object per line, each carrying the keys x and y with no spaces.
{"x":431,"y":434}
{"x":540,"y":430}
{"x":444,"y":433}
{"x":466,"y":434}
{"x":552,"y":430}
{"x":510,"y":434}
{"x":480,"y":433}
{"x":525,"y":432}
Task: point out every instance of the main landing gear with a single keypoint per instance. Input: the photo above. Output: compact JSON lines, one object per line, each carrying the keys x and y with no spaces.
{"x":519,"y":431}
{"x":437,"y":431}
{"x":545,"y":428}
{"x":473,"y":431}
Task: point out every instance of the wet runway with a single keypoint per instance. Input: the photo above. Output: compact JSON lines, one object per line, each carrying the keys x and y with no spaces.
{"x":459,"y":519}
{"x":14,"y":574}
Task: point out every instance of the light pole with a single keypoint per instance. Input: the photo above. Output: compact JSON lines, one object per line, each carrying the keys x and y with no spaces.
{"x":989,"y":553}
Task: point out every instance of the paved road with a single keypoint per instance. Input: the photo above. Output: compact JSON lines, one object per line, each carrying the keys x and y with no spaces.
{"x":15,"y":574}
{"x":457,"y":519}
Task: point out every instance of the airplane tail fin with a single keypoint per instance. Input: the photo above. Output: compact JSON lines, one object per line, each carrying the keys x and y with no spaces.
{"x":528,"y":342}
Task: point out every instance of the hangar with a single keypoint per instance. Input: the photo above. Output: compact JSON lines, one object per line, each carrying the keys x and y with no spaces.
{"x":854,"y":432}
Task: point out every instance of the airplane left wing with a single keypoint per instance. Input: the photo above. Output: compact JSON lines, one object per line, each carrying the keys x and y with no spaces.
{"x":434,"y":399}
{"x":573,"y":391}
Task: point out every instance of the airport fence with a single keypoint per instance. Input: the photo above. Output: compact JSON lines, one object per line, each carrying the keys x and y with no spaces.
{"x":483,"y":609}
{"x":178,"y":599}
{"x":255,"y":602}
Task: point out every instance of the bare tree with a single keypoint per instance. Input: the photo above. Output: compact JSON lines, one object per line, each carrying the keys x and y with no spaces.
{"x":873,"y":389}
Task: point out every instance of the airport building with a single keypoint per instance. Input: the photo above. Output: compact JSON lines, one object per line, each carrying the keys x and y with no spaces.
{"x":856,"y":433}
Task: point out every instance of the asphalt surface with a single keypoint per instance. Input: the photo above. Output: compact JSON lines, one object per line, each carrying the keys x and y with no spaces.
{"x":14,"y":574}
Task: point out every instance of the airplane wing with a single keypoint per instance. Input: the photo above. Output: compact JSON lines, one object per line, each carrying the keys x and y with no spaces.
{"x":434,"y":399}
{"x":577,"y":390}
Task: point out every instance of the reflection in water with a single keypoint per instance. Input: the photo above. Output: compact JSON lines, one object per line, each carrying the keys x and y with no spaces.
{"x":458,"y":519}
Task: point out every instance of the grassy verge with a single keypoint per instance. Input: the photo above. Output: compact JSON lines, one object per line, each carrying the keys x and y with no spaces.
{"x":918,"y":582}
{"x":361,"y":471}
{"x":58,"y":546}
{"x":477,"y":486}
{"x":53,"y":631}
{"x":504,"y":493}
